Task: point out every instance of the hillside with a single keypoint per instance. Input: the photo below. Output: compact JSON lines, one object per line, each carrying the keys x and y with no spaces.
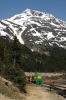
{"x":8,"y":90}
{"x":12,"y":53}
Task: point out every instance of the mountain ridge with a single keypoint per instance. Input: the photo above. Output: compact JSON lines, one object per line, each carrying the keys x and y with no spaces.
{"x":37,"y":30}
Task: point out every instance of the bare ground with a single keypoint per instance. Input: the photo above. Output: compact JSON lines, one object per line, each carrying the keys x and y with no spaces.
{"x":41,"y":93}
{"x":35,"y":92}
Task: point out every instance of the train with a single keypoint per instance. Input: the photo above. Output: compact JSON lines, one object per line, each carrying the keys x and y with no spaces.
{"x":36,"y":78}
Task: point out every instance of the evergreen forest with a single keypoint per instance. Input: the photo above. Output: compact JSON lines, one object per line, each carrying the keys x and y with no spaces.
{"x":15,"y":59}
{"x":12,"y":53}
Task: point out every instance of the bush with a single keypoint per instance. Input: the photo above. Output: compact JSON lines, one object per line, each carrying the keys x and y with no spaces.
{"x":6,"y":83}
{"x":17,"y":76}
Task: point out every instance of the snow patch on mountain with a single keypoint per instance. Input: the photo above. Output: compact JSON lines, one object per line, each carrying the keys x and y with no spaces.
{"x":35,"y":29}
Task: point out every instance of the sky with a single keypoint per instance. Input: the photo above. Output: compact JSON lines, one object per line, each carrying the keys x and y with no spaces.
{"x":8,"y":8}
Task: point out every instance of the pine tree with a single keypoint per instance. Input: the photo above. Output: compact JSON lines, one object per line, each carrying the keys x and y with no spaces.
{"x":16,"y":48}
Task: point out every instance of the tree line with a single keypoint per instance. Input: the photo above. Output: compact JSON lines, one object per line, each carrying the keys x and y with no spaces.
{"x":15,"y":59}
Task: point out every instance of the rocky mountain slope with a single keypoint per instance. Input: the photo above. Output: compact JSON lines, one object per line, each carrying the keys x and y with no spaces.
{"x":37,"y":30}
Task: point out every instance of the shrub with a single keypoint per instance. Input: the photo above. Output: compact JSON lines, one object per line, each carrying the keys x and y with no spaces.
{"x":17,"y":76}
{"x":6,"y":83}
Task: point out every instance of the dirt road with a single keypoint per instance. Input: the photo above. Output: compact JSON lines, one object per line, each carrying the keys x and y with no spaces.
{"x":36,"y":93}
{"x":41,"y":93}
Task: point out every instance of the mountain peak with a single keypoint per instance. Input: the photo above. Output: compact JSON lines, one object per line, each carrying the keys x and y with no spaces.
{"x":35,"y":29}
{"x":33,"y":12}
{"x":27,"y":10}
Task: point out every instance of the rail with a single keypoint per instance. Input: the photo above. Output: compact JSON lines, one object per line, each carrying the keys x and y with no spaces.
{"x":60,"y":89}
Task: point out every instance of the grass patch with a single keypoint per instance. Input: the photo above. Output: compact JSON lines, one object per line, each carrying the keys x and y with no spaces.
{"x":51,"y":91}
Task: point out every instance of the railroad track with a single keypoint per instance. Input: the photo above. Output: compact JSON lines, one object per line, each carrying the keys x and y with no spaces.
{"x":60,"y":89}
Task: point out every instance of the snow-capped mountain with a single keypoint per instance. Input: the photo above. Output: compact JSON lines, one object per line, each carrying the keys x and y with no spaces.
{"x":37,"y":30}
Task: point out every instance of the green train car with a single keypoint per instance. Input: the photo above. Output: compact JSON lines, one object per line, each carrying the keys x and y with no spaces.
{"x":38,"y":79}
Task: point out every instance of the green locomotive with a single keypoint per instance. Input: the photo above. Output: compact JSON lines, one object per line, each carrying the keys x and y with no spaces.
{"x":38,"y":79}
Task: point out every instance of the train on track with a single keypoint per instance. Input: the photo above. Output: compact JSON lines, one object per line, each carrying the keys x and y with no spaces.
{"x":37,"y":78}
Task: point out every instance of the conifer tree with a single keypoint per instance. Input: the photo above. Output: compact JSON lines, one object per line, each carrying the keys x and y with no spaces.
{"x":16,"y":48}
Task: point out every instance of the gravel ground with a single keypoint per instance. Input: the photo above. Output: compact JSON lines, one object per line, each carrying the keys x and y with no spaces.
{"x":35,"y":92}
